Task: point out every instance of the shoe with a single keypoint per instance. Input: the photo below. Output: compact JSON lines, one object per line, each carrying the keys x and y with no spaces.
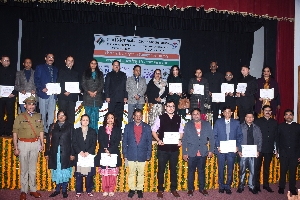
{"x":160,"y":194}
{"x":175,"y":193}
{"x":78,"y":194}
{"x":221,"y":190}
{"x":293,"y":192}
{"x":105,"y":194}
{"x":111,"y":194}
{"x":281,"y":191}
{"x":140,"y":194}
{"x":131,"y":193}
{"x":190,"y":193}
{"x":258,"y":189}
{"x":35,"y":194}
{"x":268,"y":188}
{"x":90,"y":194}
{"x":204,"y":192}
{"x":23,"y":196}
{"x":240,"y":190}
{"x":253,"y":190}
{"x":65,"y":195}
{"x":54,"y":194}
{"x":228,"y":191}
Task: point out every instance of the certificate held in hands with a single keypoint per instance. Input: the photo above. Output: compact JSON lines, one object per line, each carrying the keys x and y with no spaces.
{"x":53,"y":88}
{"x":5,"y":91}
{"x":267,"y":93}
{"x":72,"y":87}
{"x":218,"y":97}
{"x":175,"y":88}
{"x":171,"y":137}
{"x":198,"y":89}
{"x":249,"y":150}
{"x":228,"y":146}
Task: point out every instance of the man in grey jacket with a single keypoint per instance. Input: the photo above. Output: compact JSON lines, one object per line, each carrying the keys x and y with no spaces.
{"x":136,"y":87}
{"x":251,"y":136}
{"x":195,"y":149}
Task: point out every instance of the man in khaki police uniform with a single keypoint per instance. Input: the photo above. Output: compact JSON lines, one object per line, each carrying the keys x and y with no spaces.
{"x":27,"y":129}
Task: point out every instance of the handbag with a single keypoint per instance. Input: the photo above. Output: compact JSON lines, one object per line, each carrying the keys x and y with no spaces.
{"x":184,"y":103}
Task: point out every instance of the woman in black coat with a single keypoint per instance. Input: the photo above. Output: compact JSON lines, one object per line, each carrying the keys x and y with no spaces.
{"x":59,"y":152}
{"x":84,"y":143}
{"x":109,"y":138}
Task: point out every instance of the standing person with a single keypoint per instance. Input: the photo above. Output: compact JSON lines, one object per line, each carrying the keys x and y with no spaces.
{"x":137,"y":147}
{"x":67,"y":100}
{"x":251,"y":136}
{"x":84,"y":143}
{"x":215,"y":80}
{"x":59,"y":153}
{"x":269,"y":128}
{"x":109,"y":138}
{"x":156,"y":94}
{"x":230,"y":99}
{"x":167,"y":122}
{"x":175,"y":77}
{"x":92,"y":84}
{"x":198,"y":100}
{"x":25,"y":80}
{"x":46,"y":73}
{"x":8,"y":78}
{"x":28,"y":134}
{"x":245,"y":101}
{"x":115,"y":91}
{"x":195,"y":148}
{"x":288,"y":151}
{"x":136,"y":87}
{"x":227,"y":129}
{"x":266,"y":82}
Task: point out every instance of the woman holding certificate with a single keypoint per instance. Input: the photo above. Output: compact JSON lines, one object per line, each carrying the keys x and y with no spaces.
{"x":266,"y":82}
{"x":177,"y":88}
{"x":59,"y":153}
{"x":156,"y":94}
{"x":92,"y":84}
{"x":84,"y":145}
{"x":108,"y":157}
{"x":199,"y":90}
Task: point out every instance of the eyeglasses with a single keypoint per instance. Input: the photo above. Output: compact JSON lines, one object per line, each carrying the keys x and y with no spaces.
{"x":228,"y":75}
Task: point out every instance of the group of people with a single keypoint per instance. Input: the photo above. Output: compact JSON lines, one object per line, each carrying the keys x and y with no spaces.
{"x":65,"y":144}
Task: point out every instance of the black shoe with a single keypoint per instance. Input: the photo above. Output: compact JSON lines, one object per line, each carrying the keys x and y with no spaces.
{"x":240,"y":190}
{"x":281,"y":191}
{"x":65,"y":195}
{"x":54,"y":194}
{"x":221,"y":190}
{"x":140,"y":194}
{"x":258,"y":189}
{"x":254,"y":191}
{"x":228,"y":191}
{"x":293,"y":192}
{"x":131,"y":193}
{"x":268,"y":188}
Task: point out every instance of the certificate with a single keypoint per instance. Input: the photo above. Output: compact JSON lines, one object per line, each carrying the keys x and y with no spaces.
{"x":218,"y":97}
{"x":171,"y":137}
{"x":72,"y":87}
{"x":5,"y":91}
{"x":86,"y":161}
{"x":249,"y":150}
{"x":108,"y":160}
{"x":228,"y":146}
{"x":198,"y":89}
{"x":22,"y":97}
{"x":175,"y":87}
{"x":53,"y":88}
{"x":241,"y":87}
{"x":227,"y":88}
{"x":267,"y":93}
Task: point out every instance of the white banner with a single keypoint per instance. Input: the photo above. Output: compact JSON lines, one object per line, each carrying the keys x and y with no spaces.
{"x":149,"y":53}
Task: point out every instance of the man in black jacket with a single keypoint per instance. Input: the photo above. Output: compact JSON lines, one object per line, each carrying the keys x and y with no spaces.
{"x":67,"y":100}
{"x":268,"y":127}
{"x":7,"y":78}
{"x":288,"y":151}
{"x":115,"y":91}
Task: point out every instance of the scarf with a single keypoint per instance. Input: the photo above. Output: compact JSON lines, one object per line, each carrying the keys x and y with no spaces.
{"x":161,"y":84}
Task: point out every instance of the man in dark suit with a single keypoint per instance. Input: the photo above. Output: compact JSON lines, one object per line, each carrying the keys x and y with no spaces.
{"x":137,"y":147}
{"x":288,"y":151}
{"x":46,"y":73}
{"x":268,"y":127}
{"x":226,"y":129}
{"x":115,"y":91}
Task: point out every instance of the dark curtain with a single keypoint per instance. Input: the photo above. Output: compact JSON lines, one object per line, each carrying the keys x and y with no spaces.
{"x":285,"y":66}
{"x":270,"y":38}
